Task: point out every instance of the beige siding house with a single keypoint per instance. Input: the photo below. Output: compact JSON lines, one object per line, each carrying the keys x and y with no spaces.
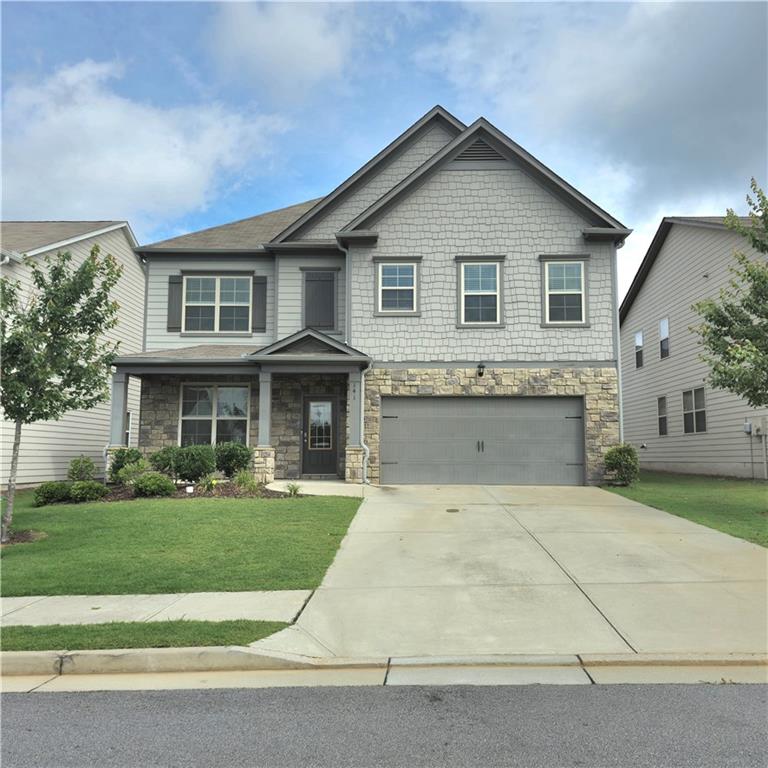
{"x":47,"y":447}
{"x":678,"y":421}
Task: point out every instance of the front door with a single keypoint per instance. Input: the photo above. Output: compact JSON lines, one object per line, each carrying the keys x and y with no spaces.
{"x":319,"y":454}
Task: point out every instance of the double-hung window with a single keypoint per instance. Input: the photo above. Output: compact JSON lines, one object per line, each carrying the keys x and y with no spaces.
{"x":694,"y":411}
{"x":397,"y":287}
{"x":564,"y":290}
{"x":664,"y":338}
{"x":217,"y":304}
{"x":661,"y":408}
{"x":639,"y":349}
{"x":213,"y":414}
{"x":480,"y":293}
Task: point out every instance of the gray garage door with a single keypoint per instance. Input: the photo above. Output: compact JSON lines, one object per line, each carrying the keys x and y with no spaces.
{"x":492,"y":440}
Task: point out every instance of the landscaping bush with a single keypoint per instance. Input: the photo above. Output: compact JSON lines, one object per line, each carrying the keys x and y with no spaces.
{"x":194,"y":461}
{"x":120,"y":458}
{"x":81,"y":468}
{"x":232,"y":457}
{"x":621,"y":461}
{"x":153,"y":484}
{"x":87,"y":490}
{"x":207,"y":484}
{"x":53,"y":492}
{"x":165,"y":460}
{"x":130,"y":472}
{"x":245,"y":480}
{"x":293,"y":489}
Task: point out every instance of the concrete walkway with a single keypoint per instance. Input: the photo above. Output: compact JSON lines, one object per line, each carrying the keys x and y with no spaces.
{"x":466,"y":570}
{"x":281,"y":605}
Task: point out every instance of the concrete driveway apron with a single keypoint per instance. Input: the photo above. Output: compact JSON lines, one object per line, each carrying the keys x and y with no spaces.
{"x":465,"y":570}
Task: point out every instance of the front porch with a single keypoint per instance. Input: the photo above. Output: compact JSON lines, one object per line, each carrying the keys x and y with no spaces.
{"x":297,"y":403}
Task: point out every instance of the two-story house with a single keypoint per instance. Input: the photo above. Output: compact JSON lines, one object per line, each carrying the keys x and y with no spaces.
{"x":672,"y":415}
{"x":47,"y":447}
{"x":448,"y":314}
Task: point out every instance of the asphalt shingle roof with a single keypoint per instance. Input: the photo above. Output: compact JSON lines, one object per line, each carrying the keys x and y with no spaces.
{"x":23,"y":236}
{"x":238,"y":235}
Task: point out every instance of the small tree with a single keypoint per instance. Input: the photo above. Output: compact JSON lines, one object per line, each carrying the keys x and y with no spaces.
{"x":54,"y":355}
{"x":735,"y":328}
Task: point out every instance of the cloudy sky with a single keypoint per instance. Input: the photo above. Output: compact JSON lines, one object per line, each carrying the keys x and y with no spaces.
{"x":178,"y":116}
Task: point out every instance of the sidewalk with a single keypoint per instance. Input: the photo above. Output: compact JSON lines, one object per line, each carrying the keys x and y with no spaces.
{"x":283,"y":605}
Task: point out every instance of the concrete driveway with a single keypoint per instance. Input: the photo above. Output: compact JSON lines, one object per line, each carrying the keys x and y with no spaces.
{"x":465,"y":570}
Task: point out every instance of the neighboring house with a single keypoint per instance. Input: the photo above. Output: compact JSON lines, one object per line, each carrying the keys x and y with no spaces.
{"x":679,"y":422}
{"x":48,"y":446}
{"x":447,"y":315}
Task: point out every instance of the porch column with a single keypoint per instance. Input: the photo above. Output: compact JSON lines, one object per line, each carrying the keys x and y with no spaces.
{"x":265,"y":408}
{"x":354,"y":453}
{"x":264,"y":453}
{"x":119,"y":403}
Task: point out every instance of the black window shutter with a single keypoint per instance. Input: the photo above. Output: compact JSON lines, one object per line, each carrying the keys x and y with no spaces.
{"x":175,"y":286}
{"x":320,"y":300}
{"x":259,"y":304}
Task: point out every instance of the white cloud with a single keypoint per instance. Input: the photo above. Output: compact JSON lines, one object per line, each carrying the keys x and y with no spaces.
{"x":287,"y":47}
{"x":75,"y":148}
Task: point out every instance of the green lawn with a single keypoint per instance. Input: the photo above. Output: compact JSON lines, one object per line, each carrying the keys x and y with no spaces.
{"x":737,"y":507}
{"x":175,"y":545}
{"x":152,"y":634}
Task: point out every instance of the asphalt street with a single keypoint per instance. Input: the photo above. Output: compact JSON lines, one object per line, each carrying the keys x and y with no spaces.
{"x":531,"y":726}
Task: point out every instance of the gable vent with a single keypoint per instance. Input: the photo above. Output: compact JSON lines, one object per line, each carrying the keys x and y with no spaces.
{"x":479,"y":151}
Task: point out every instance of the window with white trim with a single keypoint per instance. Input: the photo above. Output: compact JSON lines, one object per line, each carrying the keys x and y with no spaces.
{"x":213,"y":414}
{"x":564,"y":290}
{"x":639,"y":349}
{"x":664,"y":338}
{"x":661,"y":409}
{"x":217,"y":304}
{"x":480,"y":293}
{"x":694,"y":411}
{"x":397,"y":287}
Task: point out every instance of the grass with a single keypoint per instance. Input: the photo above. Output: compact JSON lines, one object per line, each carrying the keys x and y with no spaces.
{"x":737,"y":507}
{"x":153,"y":634}
{"x":175,"y":545}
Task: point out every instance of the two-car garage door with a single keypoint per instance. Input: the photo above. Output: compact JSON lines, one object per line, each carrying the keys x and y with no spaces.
{"x":490,"y":440}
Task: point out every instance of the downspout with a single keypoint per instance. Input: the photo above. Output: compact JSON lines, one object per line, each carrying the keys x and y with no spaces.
{"x":617,"y":338}
{"x":364,"y":445}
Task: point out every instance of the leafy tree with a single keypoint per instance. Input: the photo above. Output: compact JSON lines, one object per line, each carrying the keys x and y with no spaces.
{"x":734,"y":333}
{"x":54,"y":354}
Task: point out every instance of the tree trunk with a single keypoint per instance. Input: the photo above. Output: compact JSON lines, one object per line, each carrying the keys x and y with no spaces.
{"x":8,"y":512}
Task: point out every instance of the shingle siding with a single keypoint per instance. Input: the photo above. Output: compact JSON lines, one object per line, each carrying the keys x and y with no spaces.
{"x":47,"y":447}
{"x":395,"y":171}
{"x":476,"y":212}
{"x":693,"y":264}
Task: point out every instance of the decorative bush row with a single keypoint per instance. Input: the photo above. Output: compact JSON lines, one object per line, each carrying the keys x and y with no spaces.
{"x":77,"y":491}
{"x":194,"y":462}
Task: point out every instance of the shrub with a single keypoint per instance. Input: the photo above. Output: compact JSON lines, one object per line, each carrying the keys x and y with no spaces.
{"x":87,"y":490}
{"x":165,"y":460}
{"x":130,"y":472}
{"x":153,"y":484}
{"x":81,"y":468}
{"x":207,"y":483}
{"x":120,"y":458}
{"x":622,"y":462}
{"x":53,"y":492}
{"x":293,"y":489}
{"x":245,"y":480}
{"x":194,"y":461}
{"x":232,"y":457}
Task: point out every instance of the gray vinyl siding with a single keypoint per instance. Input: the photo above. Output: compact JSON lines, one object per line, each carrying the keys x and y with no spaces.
{"x":693,"y":264}
{"x":158,"y":336}
{"x":474,"y":213}
{"x":47,"y":447}
{"x":290,"y":286}
{"x":392,"y":173}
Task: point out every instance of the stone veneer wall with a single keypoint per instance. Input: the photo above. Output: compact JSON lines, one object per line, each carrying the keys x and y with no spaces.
{"x":598,"y":386}
{"x":159,"y":425}
{"x":288,"y":393}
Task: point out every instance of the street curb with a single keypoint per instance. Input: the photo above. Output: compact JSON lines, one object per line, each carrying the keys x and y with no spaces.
{"x":237,"y":658}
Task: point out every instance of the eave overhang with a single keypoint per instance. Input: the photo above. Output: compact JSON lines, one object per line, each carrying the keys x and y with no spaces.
{"x":358,"y":237}
{"x":606,"y":234}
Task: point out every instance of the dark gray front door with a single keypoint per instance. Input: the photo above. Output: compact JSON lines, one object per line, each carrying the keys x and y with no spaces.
{"x":489,"y":440}
{"x":320,"y":452}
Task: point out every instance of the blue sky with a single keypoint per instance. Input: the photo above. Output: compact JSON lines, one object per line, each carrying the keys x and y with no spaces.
{"x":179,"y":116}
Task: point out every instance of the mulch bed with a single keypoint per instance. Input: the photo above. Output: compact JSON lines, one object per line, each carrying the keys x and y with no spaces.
{"x":224,"y":490}
{"x":24,"y":537}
